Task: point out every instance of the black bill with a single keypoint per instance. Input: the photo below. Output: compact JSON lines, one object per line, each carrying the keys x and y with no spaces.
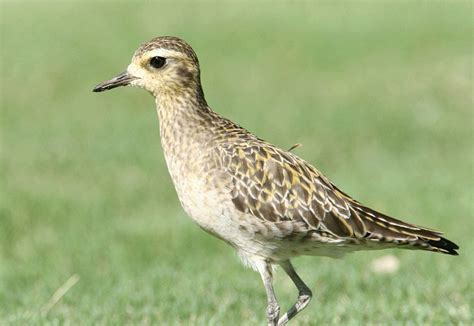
{"x":123,"y":79}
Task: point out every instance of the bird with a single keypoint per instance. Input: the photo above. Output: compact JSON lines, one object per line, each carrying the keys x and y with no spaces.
{"x":264,"y":201}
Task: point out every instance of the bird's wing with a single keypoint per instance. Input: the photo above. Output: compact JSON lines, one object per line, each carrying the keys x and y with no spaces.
{"x":275,"y":185}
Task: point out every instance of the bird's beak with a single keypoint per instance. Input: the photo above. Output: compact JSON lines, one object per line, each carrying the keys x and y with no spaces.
{"x":123,"y":79}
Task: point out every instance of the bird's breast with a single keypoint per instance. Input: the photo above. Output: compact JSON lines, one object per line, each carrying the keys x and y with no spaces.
{"x":200,"y":187}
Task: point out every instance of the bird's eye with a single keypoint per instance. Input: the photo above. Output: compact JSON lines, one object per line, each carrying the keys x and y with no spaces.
{"x":157,"y":62}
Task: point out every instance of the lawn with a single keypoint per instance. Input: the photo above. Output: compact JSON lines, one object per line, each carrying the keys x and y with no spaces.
{"x":379,"y":94}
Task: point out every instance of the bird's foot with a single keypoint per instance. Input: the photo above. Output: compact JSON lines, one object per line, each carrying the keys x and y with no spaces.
{"x":273,"y":312}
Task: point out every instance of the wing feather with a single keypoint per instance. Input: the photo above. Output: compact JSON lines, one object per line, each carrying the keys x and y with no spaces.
{"x":274,"y":185}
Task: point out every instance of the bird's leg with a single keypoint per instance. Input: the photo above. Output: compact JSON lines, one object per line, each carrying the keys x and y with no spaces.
{"x":273,"y":309}
{"x":304,"y":293}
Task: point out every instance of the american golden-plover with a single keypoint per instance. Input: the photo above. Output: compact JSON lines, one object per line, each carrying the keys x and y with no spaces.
{"x":267,"y":203}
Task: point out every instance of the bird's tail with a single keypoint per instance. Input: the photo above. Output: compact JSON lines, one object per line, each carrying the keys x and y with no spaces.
{"x":388,"y":230}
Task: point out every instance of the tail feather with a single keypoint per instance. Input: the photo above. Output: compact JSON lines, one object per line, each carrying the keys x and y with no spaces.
{"x":444,"y":245}
{"x":386,"y":229}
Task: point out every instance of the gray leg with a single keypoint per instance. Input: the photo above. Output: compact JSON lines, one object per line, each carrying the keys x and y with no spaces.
{"x":273,"y":310}
{"x":304,"y":293}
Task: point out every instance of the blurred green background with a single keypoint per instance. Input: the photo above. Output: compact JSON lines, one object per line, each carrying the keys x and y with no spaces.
{"x":378,"y":93}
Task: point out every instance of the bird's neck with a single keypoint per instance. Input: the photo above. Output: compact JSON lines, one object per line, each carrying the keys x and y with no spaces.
{"x":185,"y":130}
{"x":181,"y":115}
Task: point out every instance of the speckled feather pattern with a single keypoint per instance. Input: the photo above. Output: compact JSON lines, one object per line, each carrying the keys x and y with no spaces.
{"x":268,"y":203}
{"x":265,"y":201}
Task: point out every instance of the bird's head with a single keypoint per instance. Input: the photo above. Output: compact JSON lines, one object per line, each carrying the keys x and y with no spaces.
{"x":164,"y":66}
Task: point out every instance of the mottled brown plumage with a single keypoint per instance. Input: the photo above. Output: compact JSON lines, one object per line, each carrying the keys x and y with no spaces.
{"x":268,"y":203}
{"x":274,"y":185}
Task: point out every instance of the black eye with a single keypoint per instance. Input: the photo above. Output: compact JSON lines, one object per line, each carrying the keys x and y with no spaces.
{"x":157,"y":62}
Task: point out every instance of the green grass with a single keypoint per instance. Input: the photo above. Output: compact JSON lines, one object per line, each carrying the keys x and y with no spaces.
{"x":379,"y":94}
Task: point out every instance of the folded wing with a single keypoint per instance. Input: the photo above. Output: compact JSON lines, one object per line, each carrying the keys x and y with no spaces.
{"x":274,"y":185}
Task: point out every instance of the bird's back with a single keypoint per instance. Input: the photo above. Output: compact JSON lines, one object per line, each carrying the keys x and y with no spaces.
{"x":299,"y":205}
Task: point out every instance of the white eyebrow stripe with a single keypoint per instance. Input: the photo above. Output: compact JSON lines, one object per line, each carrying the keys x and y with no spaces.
{"x":165,"y":53}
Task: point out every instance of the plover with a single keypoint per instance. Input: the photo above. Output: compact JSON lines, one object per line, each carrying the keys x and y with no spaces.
{"x":266,"y":202}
